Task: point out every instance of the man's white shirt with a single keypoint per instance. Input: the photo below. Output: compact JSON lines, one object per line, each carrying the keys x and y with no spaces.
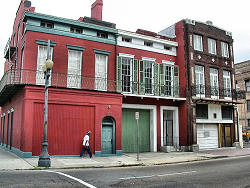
{"x":86,"y":140}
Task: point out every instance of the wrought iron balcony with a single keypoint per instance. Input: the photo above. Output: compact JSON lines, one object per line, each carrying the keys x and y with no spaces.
{"x":149,"y":89}
{"x":16,"y":79}
{"x":207,"y":91}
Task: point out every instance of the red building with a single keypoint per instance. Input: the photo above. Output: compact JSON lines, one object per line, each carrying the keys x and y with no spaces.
{"x":100,"y":78}
{"x":82,"y":95}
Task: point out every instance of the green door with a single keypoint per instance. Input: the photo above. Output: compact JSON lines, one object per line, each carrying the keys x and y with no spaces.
{"x":129,"y":142}
{"x":107,"y":139}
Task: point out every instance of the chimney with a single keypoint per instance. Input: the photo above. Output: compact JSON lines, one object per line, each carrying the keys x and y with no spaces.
{"x":96,"y":10}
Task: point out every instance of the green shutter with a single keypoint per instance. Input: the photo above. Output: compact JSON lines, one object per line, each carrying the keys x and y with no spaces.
{"x":141,"y":78}
{"x":156,"y":78}
{"x":176,"y":81}
{"x":119,"y":75}
{"x":135,"y":76}
{"x":162,"y":79}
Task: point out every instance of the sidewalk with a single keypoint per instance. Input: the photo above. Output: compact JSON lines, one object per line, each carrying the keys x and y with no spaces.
{"x":9,"y":161}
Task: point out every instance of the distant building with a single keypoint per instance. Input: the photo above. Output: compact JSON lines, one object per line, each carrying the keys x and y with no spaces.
{"x":242,"y":77}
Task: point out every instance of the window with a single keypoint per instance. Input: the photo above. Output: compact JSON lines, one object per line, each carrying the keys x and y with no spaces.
{"x":126,"y":39}
{"x":166,"y":79}
{"x":147,"y":43}
{"x":214,"y":83}
{"x":76,"y":30}
{"x":211,"y":46}
{"x":74,"y":69}
{"x":227,"y":84}
{"x":224,"y":49}
{"x":247,"y":83}
{"x":199,"y":80}
{"x":41,"y":58}
{"x":201,"y":111}
{"x":198,"y":43}
{"x":167,"y":47}
{"x":148,"y":75}
{"x":101,"y":63}
{"x":248,"y":106}
{"x":127,"y":74}
{"x":248,"y":122}
{"x":47,"y":25}
{"x":102,"y":35}
{"x":226,"y":112}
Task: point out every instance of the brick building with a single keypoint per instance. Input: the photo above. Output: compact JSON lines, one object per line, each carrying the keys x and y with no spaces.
{"x":242,"y":77}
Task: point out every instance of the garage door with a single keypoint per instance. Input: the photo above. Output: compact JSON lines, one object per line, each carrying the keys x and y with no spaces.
{"x":207,"y":136}
{"x":129,"y":142}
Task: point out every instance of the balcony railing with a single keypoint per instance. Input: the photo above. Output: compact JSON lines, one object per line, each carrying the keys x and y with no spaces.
{"x":207,"y":91}
{"x":29,"y":77}
{"x":149,"y":89}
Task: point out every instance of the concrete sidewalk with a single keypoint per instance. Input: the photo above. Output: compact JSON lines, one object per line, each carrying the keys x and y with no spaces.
{"x":9,"y":161}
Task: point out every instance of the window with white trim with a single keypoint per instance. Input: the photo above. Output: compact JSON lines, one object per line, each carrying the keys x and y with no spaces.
{"x":148,"y":75}
{"x":200,"y":80}
{"x":247,"y":83}
{"x":214,"y":82}
{"x":198,"y":43}
{"x":127,"y":74}
{"x":41,"y":58}
{"x":227,"y":84}
{"x":211,"y":46}
{"x":166,"y":79}
{"x":224,"y":49}
{"x":101,"y":69}
{"x":74,"y":69}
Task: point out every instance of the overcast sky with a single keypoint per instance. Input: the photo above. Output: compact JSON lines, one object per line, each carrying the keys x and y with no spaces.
{"x":153,"y":15}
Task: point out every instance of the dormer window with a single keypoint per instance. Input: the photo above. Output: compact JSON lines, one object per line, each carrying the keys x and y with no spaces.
{"x":102,"y":35}
{"x":147,"y":43}
{"x":47,"y":25}
{"x":76,"y":30}
{"x":167,"y":47}
{"x":126,"y":39}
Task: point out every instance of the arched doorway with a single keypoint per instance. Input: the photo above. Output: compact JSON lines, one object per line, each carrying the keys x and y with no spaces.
{"x":108,"y":135}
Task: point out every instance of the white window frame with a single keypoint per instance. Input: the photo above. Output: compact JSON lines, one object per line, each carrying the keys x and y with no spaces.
{"x":227,"y":85}
{"x":211,"y":46}
{"x":152,"y":78}
{"x":129,"y":85}
{"x":224,"y":49}
{"x":214,"y":83}
{"x":198,"y":44}
{"x":74,"y":80}
{"x":171,"y":66}
{"x":200,"y":76}
{"x":101,"y":83}
{"x":40,"y":62}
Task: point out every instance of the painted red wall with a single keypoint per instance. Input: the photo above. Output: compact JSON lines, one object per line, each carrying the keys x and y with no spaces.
{"x":60,"y":53}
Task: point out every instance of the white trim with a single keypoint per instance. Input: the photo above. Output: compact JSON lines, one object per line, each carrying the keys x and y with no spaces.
{"x":153,"y":122}
{"x":175,"y":123}
{"x":145,"y":37}
{"x":126,"y":55}
{"x":3,"y":114}
{"x":213,"y":121}
{"x":168,"y":62}
{"x":148,"y":59}
{"x":156,"y":97}
{"x":12,"y":110}
{"x":8,"y":111}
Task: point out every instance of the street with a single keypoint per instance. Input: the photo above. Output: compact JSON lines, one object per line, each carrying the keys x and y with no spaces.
{"x":229,"y":172}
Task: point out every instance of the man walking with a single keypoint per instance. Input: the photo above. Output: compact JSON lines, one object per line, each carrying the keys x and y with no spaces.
{"x":86,"y":145}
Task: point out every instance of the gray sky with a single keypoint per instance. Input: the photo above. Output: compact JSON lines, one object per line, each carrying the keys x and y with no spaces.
{"x":156,"y":15}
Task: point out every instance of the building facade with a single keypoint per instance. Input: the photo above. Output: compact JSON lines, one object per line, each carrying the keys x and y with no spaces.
{"x":242,"y":77}
{"x":211,"y":100}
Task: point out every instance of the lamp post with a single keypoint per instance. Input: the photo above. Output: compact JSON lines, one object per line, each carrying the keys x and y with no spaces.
{"x":44,"y":158}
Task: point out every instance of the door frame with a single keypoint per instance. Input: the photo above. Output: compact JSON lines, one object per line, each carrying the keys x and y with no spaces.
{"x":113,"y":136}
{"x":153,"y":122}
{"x":175,"y":123}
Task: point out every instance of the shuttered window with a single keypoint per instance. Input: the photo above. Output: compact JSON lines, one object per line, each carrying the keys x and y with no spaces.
{"x":74,"y":69}
{"x":166,"y":79}
{"x":41,"y":58}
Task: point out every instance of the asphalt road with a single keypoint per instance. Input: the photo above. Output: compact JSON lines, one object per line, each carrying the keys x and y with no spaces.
{"x":229,"y":172}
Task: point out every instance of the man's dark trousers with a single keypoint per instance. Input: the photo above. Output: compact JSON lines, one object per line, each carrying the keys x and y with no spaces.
{"x":84,"y":148}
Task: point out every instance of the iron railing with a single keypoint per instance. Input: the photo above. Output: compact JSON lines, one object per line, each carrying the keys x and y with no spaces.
{"x":203,"y":91}
{"x":30,"y":77}
{"x":167,"y":90}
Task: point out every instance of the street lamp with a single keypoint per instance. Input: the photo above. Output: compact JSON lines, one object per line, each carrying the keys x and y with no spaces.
{"x":44,"y":158}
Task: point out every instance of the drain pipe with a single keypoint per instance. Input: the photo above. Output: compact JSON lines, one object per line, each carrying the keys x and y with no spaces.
{"x":239,"y":128}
